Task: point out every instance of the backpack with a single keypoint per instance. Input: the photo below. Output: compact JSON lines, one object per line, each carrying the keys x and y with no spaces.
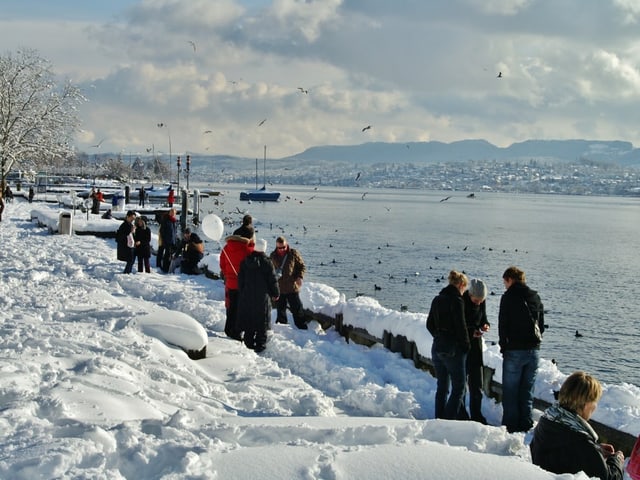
{"x":534,"y":321}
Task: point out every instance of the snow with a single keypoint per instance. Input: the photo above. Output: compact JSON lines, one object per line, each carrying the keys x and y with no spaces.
{"x":95,"y":382}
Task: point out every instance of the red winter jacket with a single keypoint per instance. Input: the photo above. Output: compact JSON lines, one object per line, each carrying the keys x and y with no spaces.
{"x":234,"y":252}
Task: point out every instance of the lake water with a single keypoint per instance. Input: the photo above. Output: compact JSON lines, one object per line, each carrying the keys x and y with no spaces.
{"x":580,"y":253}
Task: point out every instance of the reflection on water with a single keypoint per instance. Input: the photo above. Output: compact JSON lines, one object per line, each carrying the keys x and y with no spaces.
{"x":578,"y":252}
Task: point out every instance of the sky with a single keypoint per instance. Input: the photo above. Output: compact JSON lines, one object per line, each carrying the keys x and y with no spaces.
{"x":321,"y":71}
{"x":94,"y":382}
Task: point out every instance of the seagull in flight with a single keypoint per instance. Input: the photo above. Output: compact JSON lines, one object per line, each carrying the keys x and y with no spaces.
{"x":193,"y":44}
{"x":97,"y":145}
{"x":363,"y":195}
{"x":262,"y":122}
{"x":358,"y":176}
{"x":499,"y":75}
{"x":206,"y":131}
{"x":303,"y":90}
{"x":445,"y":199}
{"x":366,"y":128}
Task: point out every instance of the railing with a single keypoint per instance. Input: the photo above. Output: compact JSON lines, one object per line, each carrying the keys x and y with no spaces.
{"x":400,"y":344}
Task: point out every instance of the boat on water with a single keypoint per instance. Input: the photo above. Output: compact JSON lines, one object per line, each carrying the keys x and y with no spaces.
{"x":261,"y":194}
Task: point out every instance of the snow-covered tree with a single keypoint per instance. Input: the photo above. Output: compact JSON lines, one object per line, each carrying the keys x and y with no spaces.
{"x":38,"y":115}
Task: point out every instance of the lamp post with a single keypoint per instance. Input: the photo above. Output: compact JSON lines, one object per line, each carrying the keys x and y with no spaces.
{"x":188,"y":169}
{"x":161,"y":125}
{"x":178,"y":164}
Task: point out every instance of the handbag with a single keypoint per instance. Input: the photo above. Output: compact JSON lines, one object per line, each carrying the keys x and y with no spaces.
{"x":130,"y":242}
{"x":633,"y":467}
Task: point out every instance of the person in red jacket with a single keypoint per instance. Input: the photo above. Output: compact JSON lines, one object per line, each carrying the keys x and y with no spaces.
{"x":236,"y":249}
{"x":171,"y":198}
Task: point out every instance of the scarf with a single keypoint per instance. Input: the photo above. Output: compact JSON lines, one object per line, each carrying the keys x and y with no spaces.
{"x":573,"y":421}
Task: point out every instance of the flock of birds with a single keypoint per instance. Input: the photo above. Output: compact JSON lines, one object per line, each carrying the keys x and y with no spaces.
{"x":302,"y":90}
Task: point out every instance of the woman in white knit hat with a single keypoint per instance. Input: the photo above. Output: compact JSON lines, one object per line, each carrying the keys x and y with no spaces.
{"x":475,"y":313}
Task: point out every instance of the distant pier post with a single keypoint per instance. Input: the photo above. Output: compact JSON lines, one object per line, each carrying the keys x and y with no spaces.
{"x":185,"y":209}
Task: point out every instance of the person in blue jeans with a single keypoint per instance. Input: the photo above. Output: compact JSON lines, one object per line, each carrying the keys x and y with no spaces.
{"x":446,"y":323}
{"x":520,"y":328}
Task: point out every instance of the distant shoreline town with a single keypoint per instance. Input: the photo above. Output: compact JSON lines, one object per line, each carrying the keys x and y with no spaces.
{"x":571,"y":167}
{"x":470,"y":176}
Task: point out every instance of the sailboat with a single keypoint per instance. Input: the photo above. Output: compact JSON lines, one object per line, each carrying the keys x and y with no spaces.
{"x":261,"y":194}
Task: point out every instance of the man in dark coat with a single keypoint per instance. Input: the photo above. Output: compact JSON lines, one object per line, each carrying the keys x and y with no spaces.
{"x":246,"y":229}
{"x":168,"y":239}
{"x":520,"y":328}
{"x":125,"y":245}
{"x":257,"y":285}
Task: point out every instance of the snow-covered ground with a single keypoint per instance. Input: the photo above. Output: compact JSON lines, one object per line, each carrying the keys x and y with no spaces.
{"x":92,"y":384}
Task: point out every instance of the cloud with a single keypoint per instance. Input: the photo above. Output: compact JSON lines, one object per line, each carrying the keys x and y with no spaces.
{"x":622,"y":75}
{"x":307,"y":18}
{"x":630,"y":8}
{"x":413,"y":69}
{"x":499,"y":7}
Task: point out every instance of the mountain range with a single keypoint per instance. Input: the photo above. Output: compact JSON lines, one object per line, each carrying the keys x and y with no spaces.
{"x":620,"y":152}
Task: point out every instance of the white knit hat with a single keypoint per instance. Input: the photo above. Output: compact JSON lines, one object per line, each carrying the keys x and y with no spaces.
{"x":261,"y":245}
{"x":477,"y":288}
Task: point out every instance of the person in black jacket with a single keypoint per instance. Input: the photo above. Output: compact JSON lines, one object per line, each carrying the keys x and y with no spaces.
{"x":168,"y":239}
{"x":257,"y":286}
{"x":192,"y":253}
{"x":142,"y":237}
{"x":520,"y":328}
{"x":564,"y":442}
{"x":446,"y":323}
{"x":475,"y":313}
{"x":125,"y":241}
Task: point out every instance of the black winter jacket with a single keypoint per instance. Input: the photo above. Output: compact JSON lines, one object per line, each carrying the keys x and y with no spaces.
{"x":516,"y":322}
{"x":257,"y":284}
{"x":476,"y":318}
{"x":124,"y":253}
{"x":143,"y":235}
{"x":558,"y":449}
{"x":446,"y":317}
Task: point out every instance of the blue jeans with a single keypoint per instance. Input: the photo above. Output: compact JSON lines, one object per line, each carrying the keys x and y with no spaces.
{"x":449,"y":362}
{"x":519,"y":368}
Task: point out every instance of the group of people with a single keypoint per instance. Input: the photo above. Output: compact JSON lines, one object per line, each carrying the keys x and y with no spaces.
{"x":563,"y":441}
{"x":254,"y":282}
{"x":133,"y":240}
{"x":97,"y":197}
